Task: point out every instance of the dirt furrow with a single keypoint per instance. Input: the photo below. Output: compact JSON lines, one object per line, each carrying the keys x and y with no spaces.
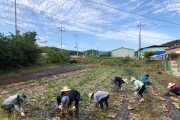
{"x":125,"y":112}
{"x":40,"y":74}
{"x":172,"y":112}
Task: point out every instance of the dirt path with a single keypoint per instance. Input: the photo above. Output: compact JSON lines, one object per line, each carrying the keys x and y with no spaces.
{"x":40,"y":74}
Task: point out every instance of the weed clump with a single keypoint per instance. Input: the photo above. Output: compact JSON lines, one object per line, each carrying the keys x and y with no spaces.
{"x":159,"y":72}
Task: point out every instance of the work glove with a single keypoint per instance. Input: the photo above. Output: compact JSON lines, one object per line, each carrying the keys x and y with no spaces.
{"x":22,"y":114}
{"x":21,"y":109}
{"x":73,"y":108}
{"x":60,"y":107}
{"x":135,"y":93}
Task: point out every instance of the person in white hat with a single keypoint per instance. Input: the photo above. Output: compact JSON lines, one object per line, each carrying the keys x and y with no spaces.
{"x":66,"y":99}
{"x":174,"y":88}
{"x":14,"y":102}
{"x":119,"y":81}
{"x":139,"y":88}
{"x":99,"y":98}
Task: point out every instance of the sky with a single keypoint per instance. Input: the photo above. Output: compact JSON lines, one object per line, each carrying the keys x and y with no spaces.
{"x":103,"y":25}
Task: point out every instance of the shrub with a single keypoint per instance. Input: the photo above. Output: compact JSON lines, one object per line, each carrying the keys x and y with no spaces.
{"x":18,"y":50}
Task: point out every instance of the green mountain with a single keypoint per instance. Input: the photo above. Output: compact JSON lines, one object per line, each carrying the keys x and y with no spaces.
{"x":172,"y":43}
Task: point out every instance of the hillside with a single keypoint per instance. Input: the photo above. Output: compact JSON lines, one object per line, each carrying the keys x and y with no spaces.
{"x":172,"y":43}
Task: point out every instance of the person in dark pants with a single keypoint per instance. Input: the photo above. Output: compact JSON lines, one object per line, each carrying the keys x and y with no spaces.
{"x":139,"y":88}
{"x":67,"y":99}
{"x":14,"y":102}
{"x":174,"y":88}
{"x":99,"y":97}
{"x":119,"y":81}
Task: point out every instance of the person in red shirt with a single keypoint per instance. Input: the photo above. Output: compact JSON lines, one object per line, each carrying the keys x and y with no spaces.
{"x":174,"y":88}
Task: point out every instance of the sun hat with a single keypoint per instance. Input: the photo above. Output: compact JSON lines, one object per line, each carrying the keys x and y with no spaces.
{"x":133,"y":79}
{"x":22,"y":96}
{"x":125,"y":80}
{"x":90,"y":96}
{"x":65,"y":88}
{"x":170,"y":85}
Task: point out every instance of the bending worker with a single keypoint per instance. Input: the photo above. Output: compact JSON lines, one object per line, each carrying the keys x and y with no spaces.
{"x":174,"y":88}
{"x":139,"y":88}
{"x":99,"y":98}
{"x":66,"y":99}
{"x":119,"y":81}
{"x":14,"y":102}
{"x":145,"y":79}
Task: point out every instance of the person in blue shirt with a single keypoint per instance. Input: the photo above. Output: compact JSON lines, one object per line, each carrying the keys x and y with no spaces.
{"x":146,"y":80}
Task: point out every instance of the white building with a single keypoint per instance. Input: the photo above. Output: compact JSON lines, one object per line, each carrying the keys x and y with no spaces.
{"x":122,"y":52}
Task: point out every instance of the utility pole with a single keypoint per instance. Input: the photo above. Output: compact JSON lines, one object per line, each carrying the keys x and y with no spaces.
{"x":83,"y":52}
{"x":15,"y":14}
{"x":98,"y":51}
{"x":92,"y":48}
{"x":140,"y":27}
{"x":62,"y":30}
{"x":76,"y":44}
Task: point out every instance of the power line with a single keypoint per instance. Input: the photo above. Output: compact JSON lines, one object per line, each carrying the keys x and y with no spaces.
{"x":117,"y":8}
{"x":18,"y":28}
{"x":83,"y":22}
{"x":132,"y":12}
{"x":159,"y":26}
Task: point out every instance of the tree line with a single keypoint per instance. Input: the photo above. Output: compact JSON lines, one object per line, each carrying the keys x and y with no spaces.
{"x":21,"y":50}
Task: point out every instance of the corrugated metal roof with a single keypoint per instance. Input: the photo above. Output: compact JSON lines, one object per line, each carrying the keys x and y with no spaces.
{"x":153,"y":46}
{"x":122,"y":48}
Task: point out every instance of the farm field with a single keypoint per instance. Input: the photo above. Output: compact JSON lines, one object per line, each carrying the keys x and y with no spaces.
{"x":41,"y":102}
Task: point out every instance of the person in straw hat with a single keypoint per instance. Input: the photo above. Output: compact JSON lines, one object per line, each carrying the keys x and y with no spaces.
{"x":64,"y":90}
{"x":174,"y":88}
{"x":139,"y":88}
{"x":119,"y":81}
{"x":99,"y":98}
{"x":67,"y":97}
{"x":14,"y":102}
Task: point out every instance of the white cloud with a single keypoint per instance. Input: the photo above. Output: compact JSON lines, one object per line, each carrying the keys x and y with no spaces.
{"x":43,"y":37}
{"x":168,"y":7}
{"x":131,"y":35}
{"x":71,"y":13}
{"x":134,"y":0}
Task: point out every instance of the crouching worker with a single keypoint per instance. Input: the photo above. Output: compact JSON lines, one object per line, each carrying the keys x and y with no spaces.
{"x":99,"y":98}
{"x":174,"y":88}
{"x":66,"y":99}
{"x":139,"y":88}
{"x":119,"y":81}
{"x":14,"y":102}
{"x":146,"y":80}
